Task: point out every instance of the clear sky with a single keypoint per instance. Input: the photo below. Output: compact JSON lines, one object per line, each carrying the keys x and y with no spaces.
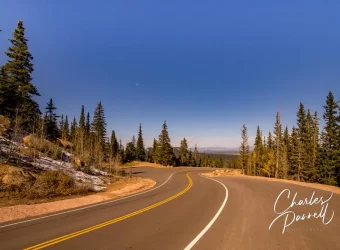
{"x":206,"y":67}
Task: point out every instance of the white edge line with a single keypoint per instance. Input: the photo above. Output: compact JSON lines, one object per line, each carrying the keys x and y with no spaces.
{"x":78,"y":209}
{"x":200,"y":235}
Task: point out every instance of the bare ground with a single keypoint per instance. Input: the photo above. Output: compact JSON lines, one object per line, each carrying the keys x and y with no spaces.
{"x":236,"y":172}
{"x":119,"y":188}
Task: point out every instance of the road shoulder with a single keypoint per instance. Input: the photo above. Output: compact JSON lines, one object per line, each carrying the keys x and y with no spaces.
{"x":116,"y":190}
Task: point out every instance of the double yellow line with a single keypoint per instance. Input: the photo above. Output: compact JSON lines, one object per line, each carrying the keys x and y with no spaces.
{"x":110,"y":222}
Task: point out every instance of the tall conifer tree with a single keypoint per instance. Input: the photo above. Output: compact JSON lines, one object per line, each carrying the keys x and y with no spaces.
{"x":17,"y":90}
{"x":140,"y":149}
{"x":244,"y":148}
{"x":329,"y":164}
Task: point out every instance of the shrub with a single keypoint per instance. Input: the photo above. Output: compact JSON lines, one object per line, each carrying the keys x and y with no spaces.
{"x":44,"y":146}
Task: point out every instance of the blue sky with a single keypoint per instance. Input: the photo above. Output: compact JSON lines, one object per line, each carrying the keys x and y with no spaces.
{"x":206,"y":67}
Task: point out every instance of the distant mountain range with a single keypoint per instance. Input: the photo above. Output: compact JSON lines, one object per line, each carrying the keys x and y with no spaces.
{"x":217,"y":150}
{"x":212,"y":150}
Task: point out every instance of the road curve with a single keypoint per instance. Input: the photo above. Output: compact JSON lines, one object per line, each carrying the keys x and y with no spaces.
{"x":196,"y":211}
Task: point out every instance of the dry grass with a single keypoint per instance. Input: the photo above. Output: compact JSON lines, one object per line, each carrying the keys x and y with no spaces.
{"x":224,"y":172}
{"x":44,"y":146}
{"x":4,"y":124}
{"x":65,"y":144}
{"x":19,"y":187}
{"x":119,"y":188}
{"x":142,"y":164}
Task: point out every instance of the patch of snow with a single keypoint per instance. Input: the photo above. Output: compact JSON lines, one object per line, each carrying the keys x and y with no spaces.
{"x":47,"y":163}
{"x":68,"y":168}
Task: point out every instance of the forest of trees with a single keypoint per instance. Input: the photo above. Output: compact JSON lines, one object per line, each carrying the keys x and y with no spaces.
{"x":86,"y":138}
{"x":302,"y":154}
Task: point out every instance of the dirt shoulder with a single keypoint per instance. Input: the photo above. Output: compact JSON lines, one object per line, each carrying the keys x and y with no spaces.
{"x":119,"y":188}
{"x":143,"y":164}
{"x":226,"y":173}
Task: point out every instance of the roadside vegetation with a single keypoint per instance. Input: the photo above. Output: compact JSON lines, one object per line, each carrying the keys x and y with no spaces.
{"x":304,"y":154}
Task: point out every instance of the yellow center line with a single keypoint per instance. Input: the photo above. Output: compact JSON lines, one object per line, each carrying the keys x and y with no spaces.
{"x":110,"y":222}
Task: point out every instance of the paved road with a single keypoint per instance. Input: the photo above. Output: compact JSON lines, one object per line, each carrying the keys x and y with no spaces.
{"x":174,"y":214}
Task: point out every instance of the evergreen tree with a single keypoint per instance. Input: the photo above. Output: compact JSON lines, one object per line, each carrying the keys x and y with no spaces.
{"x":88,"y":124}
{"x":16,"y":88}
{"x":244,"y":148}
{"x":311,"y":144}
{"x":155,"y":151}
{"x":278,"y":144}
{"x":61,"y":122}
{"x":73,"y":132}
{"x":258,"y":151}
{"x":65,"y":135}
{"x":270,"y":142}
{"x":191,"y":161}
{"x":316,"y":140}
{"x":165,"y":152}
{"x":82,"y":119}
{"x":329,"y":164}
{"x":184,"y":153}
{"x":114,"y":146}
{"x":121,"y":152}
{"x":98,"y":126}
{"x":287,"y":148}
{"x":302,"y":133}
{"x":7,"y":95}
{"x":51,"y":125}
{"x":81,"y":135}
{"x":296,"y":161}
{"x":196,"y":156}
{"x":140,"y":149}
{"x":130,"y":151}
{"x":134,"y":141}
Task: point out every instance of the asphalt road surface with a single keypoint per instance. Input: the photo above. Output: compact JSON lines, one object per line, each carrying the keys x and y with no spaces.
{"x":187,"y":211}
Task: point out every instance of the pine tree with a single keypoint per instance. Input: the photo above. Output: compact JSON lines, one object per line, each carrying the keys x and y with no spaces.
{"x":121,"y":152}
{"x":278,"y":144}
{"x":61,"y":122}
{"x":311,"y":144}
{"x":140,"y":149}
{"x":98,"y":126}
{"x":196,"y":156}
{"x":165,"y":152}
{"x":65,"y":135}
{"x":134,"y":141}
{"x":329,"y":164}
{"x":297,"y":157}
{"x":316,"y":140}
{"x":270,"y":142}
{"x":17,"y":90}
{"x":302,"y":133}
{"x":114,"y":146}
{"x":82,"y":118}
{"x":155,"y":151}
{"x":51,"y":125}
{"x":259,"y":152}
{"x":73,"y":132}
{"x":287,"y":153}
{"x":130,"y":151}
{"x":244,"y":148}
{"x":88,"y":124}
{"x":81,"y":135}
{"x":7,"y":94}
{"x":184,"y":153}
{"x":191,"y":161}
